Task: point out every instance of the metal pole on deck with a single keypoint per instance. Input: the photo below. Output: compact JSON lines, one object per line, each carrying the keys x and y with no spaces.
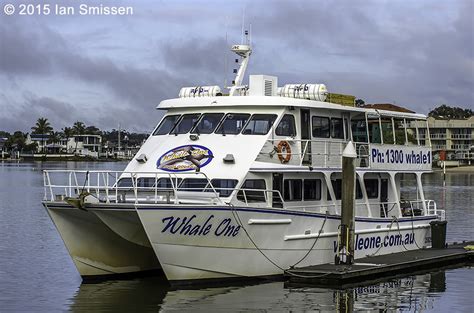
{"x":345,"y":253}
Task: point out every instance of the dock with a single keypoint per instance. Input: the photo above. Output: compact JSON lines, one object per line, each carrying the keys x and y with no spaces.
{"x":382,"y":266}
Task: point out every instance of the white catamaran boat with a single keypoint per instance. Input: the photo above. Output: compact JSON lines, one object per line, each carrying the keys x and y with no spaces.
{"x":246,"y":185}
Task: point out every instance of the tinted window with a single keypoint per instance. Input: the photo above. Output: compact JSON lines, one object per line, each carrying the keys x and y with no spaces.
{"x":372,"y":188}
{"x":286,"y":127}
{"x":337,"y":186}
{"x":146,"y":182}
{"x":312,"y":189}
{"x":166,"y":125}
{"x":185,"y":124}
{"x":293,"y":190}
{"x":193,"y":184}
{"x":124,"y":182}
{"x":165,"y":183}
{"x":250,"y":195}
{"x":208,"y":123}
{"x":337,"y":129}
{"x":259,"y":124}
{"x":320,"y":127}
{"x":232,"y":124}
{"x":359,"y":130}
{"x":223,"y":186}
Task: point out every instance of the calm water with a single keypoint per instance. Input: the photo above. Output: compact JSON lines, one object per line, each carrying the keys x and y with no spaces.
{"x":36,"y":273}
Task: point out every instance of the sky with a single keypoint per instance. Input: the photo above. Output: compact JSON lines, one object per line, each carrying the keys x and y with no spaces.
{"x":114,"y":70}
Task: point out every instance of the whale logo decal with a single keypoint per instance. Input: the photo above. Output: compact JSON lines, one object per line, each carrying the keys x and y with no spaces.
{"x":185,"y":158}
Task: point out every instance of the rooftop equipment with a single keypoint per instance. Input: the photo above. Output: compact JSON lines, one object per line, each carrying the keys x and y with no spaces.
{"x":200,"y":91}
{"x":316,"y":92}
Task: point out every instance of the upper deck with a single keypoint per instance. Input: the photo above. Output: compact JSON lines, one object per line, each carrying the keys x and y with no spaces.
{"x":305,"y":134}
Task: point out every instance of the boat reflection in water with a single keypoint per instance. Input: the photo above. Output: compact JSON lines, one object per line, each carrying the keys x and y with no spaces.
{"x":413,"y":293}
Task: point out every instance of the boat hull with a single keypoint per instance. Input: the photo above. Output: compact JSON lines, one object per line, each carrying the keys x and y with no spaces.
{"x":96,"y":249}
{"x":195,"y":243}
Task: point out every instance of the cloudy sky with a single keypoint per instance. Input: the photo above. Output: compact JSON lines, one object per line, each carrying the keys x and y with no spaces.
{"x":110,"y":70}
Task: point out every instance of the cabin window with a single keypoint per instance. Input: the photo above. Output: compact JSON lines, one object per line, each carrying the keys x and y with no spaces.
{"x":337,"y":128}
{"x":185,"y":124}
{"x":224,"y":187}
{"x":359,"y":130}
{"x":193,"y":184}
{"x":232,"y":124}
{"x":399,"y":131}
{"x":252,"y":195}
{"x":337,"y":186}
{"x":166,"y":125}
{"x":208,"y":123}
{"x":387,"y":130}
{"x":374,"y":129}
{"x":312,"y":189}
{"x":145,"y":182}
{"x":372,"y":188}
{"x":286,"y":127}
{"x":320,"y":127}
{"x":259,"y":124}
{"x":293,"y":190}
{"x":124,"y":182}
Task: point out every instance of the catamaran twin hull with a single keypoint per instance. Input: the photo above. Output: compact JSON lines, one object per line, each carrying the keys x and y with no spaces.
{"x":195,"y":243}
{"x":103,"y":241}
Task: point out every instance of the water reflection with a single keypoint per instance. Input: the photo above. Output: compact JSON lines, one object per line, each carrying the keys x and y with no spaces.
{"x":412,"y":293}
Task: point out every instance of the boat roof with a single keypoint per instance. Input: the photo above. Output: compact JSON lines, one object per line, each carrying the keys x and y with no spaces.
{"x":272,"y":101}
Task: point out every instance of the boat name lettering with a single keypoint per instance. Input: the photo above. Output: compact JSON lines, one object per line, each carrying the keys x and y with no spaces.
{"x":187,"y":226}
{"x":398,"y":156}
{"x":375,"y":242}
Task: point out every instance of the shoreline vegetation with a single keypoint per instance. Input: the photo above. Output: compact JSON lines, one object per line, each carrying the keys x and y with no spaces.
{"x":76,"y":143}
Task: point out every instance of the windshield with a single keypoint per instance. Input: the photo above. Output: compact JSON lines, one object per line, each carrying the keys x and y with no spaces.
{"x":232,"y":124}
{"x":208,"y":123}
{"x":259,"y":124}
{"x":185,"y":124}
{"x":166,"y":125}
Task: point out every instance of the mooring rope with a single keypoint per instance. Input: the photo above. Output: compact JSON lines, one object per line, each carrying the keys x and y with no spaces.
{"x":288,"y":271}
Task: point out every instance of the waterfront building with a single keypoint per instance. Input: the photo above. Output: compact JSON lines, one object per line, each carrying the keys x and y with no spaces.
{"x":85,"y":145}
{"x":3,"y":149}
{"x":452,"y":138}
{"x":82,"y":145}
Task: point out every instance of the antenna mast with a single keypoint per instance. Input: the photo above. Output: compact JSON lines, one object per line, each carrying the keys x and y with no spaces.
{"x":244,"y":51}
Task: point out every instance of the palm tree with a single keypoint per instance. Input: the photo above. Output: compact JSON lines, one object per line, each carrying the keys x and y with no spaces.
{"x":42,"y":127}
{"x":68,"y":132}
{"x":79,"y":128}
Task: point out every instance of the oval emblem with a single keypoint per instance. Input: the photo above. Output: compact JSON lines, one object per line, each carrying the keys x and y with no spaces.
{"x":185,"y":158}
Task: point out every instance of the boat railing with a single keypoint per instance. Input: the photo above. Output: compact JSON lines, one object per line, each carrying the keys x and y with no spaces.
{"x":105,"y":187}
{"x":429,"y":208}
{"x":318,"y":152}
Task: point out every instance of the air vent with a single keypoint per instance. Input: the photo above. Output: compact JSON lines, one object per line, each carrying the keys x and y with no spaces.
{"x":263,"y":85}
{"x":268,"y":88}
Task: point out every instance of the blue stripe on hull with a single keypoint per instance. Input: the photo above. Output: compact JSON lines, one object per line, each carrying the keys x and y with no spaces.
{"x":283,"y":212}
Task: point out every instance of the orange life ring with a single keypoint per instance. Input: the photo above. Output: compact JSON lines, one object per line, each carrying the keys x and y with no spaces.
{"x":284,"y":148}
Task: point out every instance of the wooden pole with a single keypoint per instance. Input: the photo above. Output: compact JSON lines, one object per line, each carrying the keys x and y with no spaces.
{"x":346,"y":231}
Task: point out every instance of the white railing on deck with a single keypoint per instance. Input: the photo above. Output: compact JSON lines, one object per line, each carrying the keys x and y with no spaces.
{"x":103,"y":185}
{"x":328,"y":154}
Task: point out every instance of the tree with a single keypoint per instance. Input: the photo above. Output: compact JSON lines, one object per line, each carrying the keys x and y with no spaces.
{"x":68,"y":132}
{"x":447,"y":112}
{"x":17,"y":141}
{"x":79,"y":128}
{"x":359,"y":102}
{"x":92,"y":130}
{"x":55,"y":137}
{"x":42,"y":127}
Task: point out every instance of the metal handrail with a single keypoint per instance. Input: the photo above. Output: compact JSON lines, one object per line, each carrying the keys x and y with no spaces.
{"x":102,"y":185}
